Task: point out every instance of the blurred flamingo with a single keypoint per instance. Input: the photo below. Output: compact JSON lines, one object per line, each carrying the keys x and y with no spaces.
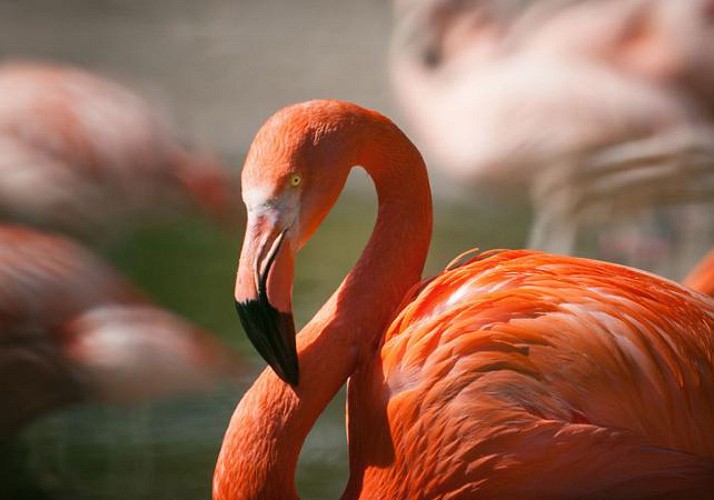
{"x":82,"y":153}
{"x":604,"y":108}
{"x":512,"y":374}
{"x":73,"y":330}
{"x":701,"y":278}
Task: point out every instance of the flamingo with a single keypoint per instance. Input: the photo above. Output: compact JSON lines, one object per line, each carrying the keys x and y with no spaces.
{"x":602,"y":108}
{"x":701,"y":278}
{"x":82,"y":153}
{"x":73,"y":330}
{"x":512,"y":374}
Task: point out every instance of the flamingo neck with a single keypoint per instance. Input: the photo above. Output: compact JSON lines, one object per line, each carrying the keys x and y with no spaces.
{"x":267,"y":431}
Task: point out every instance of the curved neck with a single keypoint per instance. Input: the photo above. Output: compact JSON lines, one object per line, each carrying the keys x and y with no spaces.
{"x":264,"y":438}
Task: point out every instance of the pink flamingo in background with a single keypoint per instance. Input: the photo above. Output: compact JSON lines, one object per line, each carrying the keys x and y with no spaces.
{"x":512,"y":374}
{"x":72,"y":330}
{"x":604,"y":108}
{"x":82,"y":153}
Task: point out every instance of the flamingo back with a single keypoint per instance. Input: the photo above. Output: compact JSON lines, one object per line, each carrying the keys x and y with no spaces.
{"x":558,"y":376}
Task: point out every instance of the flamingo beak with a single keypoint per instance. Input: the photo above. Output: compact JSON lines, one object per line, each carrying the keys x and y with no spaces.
{"x":263,"y":294}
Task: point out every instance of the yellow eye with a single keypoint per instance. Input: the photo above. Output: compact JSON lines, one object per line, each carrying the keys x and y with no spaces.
{"x":295,"y":180}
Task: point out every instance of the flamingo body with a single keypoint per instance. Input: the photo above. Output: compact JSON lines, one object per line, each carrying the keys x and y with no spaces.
{"x":515,"y":374}
{"x":596,"y":105}
{"x":80,"y":151}
{"x":72,"y":330}
{"x":519,"y":86}
{"x":502,"y":374}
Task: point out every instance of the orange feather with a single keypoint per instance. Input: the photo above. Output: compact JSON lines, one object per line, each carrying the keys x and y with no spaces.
{"x":547,"y":376}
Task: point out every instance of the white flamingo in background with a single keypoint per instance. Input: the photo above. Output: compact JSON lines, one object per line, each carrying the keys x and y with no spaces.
{"x":604,"y":107}
{"x":82,"y":153}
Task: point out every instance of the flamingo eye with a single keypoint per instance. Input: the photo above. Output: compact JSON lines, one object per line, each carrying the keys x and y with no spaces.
{"x":295,"y":180}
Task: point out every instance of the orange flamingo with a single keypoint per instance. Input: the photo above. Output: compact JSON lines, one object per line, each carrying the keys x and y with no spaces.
{"x":72,"y":330}
{"x":80,"y":152}
{"x":512,"y":374}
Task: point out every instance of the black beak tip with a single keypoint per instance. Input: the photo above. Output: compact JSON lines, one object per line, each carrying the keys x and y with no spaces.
{"x":287,"y":371}
{"x":292,"y":377}
{"x":272,"y":333}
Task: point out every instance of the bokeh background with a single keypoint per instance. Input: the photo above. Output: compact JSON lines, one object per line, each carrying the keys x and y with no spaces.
{"x":218,"y":69}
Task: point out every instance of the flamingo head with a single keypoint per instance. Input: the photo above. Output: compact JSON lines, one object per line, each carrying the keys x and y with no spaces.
{"x":294,"y":172}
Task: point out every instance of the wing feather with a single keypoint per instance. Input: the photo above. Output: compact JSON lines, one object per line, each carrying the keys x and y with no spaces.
{"x":527,"y":374}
